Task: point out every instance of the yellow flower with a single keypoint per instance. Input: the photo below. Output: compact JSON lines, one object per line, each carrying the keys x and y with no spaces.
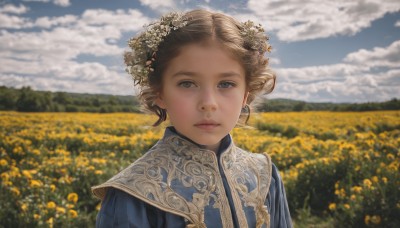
{"x":367,"y":219}
{"x":72,"y":213}
{"x":24,"y":207}
{"x":376,"y":219}
{"x":98,"y":207}
{"x":346,"y":206}
{"x":356,"y":189}
{"x":375,"y":179}
{"x":5,"y":177}
{"x":367,"y":183}
{"x":50,"y":221}
{"x":353,"y":197}
{"x":52,"y":187}
{"x":60,"y":210}
{"x":33,"y":171}
{"x":390,"y":156}
{"x":337,"y":185}
{"x":15,"y":191}
{"x":337,"y":192}
{"x":384,"y":179}
{"x":73,"y":197}
{"x":51,"y":205}
{"x":36,"y":152}
{"x":98,"y":172}
{"x":70,"y":205}
{"x":35,"y":183}
{"x":332,"y":206}
{"x":27,"y":174}
{"x":36,"y":216}
{"x":3,"y":162}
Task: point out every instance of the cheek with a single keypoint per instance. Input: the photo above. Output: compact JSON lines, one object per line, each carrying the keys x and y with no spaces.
{"x":179,"y":107}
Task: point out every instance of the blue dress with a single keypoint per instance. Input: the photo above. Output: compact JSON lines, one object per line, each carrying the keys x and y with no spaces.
{"x":121,"y":209}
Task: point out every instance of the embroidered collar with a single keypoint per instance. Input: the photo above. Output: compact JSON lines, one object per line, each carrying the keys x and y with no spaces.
{"x":170,"y":132}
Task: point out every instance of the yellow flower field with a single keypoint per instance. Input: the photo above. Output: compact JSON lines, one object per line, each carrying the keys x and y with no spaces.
{"x":339,"y":165}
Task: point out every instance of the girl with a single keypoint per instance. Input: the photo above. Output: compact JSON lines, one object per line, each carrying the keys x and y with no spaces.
{"x":202,"y":69}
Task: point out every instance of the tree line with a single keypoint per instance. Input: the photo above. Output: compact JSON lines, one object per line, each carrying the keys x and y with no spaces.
{"x":285,"y":105}
{"x":28,"y":100}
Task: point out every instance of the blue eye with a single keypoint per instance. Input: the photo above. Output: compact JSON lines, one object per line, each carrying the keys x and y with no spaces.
{"x":225,"y":85}
{"x":186,"y":84}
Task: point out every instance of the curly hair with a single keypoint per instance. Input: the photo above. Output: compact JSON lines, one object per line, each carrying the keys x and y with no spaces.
{"x":202,"y":26}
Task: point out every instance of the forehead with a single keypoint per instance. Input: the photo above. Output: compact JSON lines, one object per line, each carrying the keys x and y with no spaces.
{"x":205,"y":59}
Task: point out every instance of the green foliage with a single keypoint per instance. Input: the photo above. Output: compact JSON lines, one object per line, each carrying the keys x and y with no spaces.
{"x":279,"y":130}
{"x":28,"y":100}
{"x":286,"y":105}
{"x":305,"y":219}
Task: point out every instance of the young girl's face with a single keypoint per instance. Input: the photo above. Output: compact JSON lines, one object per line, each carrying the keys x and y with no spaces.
{"x":203,"y":91}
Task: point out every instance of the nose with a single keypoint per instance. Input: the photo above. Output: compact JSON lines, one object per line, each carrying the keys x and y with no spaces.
{"x":207,"y":101}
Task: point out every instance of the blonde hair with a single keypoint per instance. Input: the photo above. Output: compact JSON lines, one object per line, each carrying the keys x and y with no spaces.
{"x":203,"y":25}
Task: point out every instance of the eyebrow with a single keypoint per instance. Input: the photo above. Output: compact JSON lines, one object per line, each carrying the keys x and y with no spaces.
{"x":194,"y":74}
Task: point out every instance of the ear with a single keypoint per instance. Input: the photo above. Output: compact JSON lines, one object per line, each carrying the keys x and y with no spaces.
{"x":246,"y":95}
{"x":160,"y":101}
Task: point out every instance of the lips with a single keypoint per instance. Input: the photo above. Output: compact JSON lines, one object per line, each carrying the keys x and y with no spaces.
{"x":207,"y":124}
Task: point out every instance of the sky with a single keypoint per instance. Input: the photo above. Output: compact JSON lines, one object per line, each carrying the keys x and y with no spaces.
{"x":323,"y":50}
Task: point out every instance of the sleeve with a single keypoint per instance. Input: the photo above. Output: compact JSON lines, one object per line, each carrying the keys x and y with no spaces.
{"x":119,"y":209}
{"x":277,"y":202}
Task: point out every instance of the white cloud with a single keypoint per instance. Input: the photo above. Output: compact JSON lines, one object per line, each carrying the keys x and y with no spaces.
{"x":9,"y":16}
{"x":14,"y":22}
{"x":49,"y":56}
{"x":116,"y":84}
{"x":12,"y":9}
{"x":397,"y":24}
{"x":365,"y":75}
{"x":44,"y":1}
{"x":48,"y":22}
{"x":63,"y":3}
{"x":295,"y":20}
{"x":274,"y":61}
{"x":159,"y":5}
{"x":378,"y":57}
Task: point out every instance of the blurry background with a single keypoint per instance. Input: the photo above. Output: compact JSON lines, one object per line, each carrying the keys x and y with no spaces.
{"x":323,"y":51}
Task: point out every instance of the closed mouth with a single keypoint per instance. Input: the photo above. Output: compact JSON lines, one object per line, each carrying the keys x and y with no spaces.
{"x":207,"y":124}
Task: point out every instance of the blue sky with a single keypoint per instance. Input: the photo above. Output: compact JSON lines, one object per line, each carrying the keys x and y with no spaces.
{"x":323,"y":51}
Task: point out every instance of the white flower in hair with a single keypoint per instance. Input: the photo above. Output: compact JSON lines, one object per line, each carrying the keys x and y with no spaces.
{"x":144,"y":47}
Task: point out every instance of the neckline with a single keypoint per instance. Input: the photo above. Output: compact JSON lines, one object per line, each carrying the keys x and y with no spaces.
{"x":224,"y":146}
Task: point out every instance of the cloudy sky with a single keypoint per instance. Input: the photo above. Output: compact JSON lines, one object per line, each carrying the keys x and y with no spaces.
{"x":323,"y":50}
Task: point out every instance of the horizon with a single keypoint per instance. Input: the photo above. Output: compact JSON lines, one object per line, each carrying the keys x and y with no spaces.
{"x":267,"y":98}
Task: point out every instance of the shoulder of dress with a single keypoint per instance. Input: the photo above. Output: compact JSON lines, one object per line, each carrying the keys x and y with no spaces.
{"x":262,"y":159}
{"x":100,"y":191}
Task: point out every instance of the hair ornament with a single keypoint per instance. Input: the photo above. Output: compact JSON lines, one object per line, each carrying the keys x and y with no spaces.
{"x":255,"y":37}
{"x":144,"y":47}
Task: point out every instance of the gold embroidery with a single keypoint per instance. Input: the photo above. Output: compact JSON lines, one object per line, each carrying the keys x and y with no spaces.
{"x":173,"y":163}
{"x":248,"y":170}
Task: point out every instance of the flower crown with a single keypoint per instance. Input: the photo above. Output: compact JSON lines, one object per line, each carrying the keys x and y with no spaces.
{"x":144,"y":47}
